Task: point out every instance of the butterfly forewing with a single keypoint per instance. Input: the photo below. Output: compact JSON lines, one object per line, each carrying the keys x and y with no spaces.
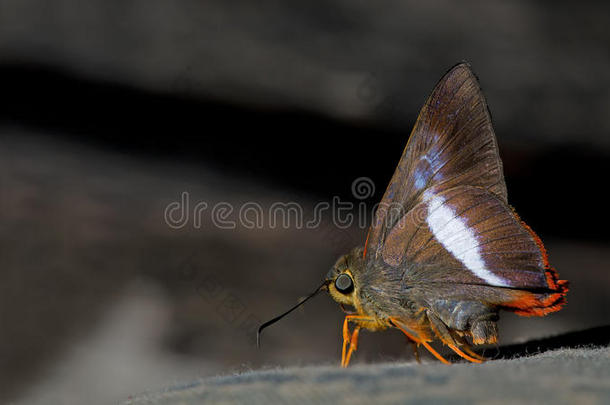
{"x":451,"y":144}
{"x":444,"y":217}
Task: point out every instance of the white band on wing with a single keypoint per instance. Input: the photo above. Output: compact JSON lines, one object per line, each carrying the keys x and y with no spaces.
{"x":445,"y":226}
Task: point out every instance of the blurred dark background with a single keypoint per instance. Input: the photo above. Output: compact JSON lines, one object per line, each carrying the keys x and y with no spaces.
{"x":112,"y":109}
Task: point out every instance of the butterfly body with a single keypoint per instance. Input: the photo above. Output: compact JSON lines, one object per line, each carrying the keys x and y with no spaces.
{"x":388,"y":296}
{"x":445,"y":252}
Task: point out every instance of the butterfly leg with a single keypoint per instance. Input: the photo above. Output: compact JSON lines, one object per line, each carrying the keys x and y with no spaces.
{"x":353,"y":339}
{"x":399,"y":325}
{"x":477,"y":359}
{"x":443,"y":333}
{"x":471,"y":352}
{"x":345,"y":340}
{"x":353,"y":345}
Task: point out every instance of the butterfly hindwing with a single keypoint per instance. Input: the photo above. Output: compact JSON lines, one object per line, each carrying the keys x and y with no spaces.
{"x":471,"y":236}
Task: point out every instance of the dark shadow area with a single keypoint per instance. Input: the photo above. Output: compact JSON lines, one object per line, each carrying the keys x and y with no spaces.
{"x":298,"y":149}
{"x":294,"y":149}
{"x":591,"y":337}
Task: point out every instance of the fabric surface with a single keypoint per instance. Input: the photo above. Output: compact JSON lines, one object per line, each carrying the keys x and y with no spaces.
{"x":579,"y":375}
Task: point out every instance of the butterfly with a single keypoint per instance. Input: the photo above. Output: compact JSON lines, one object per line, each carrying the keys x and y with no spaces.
{"x":445,"y":252}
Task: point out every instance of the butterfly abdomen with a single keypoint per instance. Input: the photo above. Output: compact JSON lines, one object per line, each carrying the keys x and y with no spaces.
{"x":469,"y":317}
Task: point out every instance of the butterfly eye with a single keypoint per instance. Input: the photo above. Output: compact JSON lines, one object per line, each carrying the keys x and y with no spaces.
{"x":344,"y":284}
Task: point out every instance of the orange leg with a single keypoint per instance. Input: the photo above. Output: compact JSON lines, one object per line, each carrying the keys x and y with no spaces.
{"x":347,"y":338}
{"x":464,"y":355}
{"x":451,"y":340}
{"x":472,"y":353}
{"x":353,"y":345}
{"x":396,"y":324}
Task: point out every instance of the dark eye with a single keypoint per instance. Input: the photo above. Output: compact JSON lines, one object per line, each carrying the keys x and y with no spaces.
{"x":344,"y":284}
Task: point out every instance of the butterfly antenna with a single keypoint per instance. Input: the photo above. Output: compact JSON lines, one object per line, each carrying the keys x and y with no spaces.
{"x":324,"y":286}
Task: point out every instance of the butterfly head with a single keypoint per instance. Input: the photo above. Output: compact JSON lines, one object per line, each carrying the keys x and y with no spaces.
{"x":343,"y":280}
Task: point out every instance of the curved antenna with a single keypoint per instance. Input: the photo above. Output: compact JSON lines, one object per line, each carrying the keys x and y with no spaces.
{"x":277,"y":318}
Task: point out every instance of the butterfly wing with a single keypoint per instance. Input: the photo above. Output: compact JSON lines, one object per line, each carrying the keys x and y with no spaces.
{"x":468,"y":236}
{"x":452,"y":143}
{"x":445,"y":220}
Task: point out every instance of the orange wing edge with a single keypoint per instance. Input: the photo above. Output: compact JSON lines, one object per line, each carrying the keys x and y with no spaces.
{"x":527,"y":303}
